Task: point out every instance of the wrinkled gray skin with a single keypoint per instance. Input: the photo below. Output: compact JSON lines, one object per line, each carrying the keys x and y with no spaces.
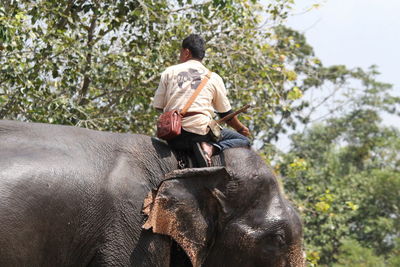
{"x":73,"y":197}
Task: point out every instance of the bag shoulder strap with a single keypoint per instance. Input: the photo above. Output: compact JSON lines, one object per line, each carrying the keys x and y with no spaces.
{"x":196,"y":93}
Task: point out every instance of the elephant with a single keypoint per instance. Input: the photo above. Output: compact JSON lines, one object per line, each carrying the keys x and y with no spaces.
{"x":71,"y":196}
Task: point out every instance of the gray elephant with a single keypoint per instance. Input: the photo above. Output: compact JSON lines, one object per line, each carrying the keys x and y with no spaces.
{"x":78,"y":197}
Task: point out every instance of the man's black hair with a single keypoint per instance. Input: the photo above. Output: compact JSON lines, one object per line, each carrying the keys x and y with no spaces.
{"x":195,"y":44}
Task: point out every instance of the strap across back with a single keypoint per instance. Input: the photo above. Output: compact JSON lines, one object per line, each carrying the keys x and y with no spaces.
{"x":196,"y":93}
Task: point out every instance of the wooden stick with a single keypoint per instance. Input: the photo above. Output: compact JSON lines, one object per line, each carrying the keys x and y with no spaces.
{"x":230,"y":116}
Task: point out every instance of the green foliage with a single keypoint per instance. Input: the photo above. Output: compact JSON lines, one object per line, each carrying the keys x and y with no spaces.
{"x":394,"y":259}
{"x":351,"y":253}
{"x":96,"y":64}
{"x":344,"y":175}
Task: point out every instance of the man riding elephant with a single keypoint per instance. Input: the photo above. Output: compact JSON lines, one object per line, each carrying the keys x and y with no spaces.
{"x":77,"y":197}
{"x":176,"y":87}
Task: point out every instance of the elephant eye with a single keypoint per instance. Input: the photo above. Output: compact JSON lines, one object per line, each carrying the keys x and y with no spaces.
{"x":274,"y":242}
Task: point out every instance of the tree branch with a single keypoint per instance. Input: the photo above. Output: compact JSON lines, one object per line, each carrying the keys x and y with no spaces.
{"x":86,"y":78}
{"x":277,"y":129}
{"x":190,"y":7}
{"x":63,"y":21}
{"x":10,"y":103}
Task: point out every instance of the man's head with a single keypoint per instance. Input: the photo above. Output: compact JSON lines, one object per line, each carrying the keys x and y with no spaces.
{"x":192,"y":48}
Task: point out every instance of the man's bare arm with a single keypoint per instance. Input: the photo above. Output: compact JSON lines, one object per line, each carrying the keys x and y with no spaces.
{"x":238,"y":126}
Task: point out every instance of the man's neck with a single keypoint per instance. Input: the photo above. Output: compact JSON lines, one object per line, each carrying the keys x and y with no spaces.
{"x":195,"y":59}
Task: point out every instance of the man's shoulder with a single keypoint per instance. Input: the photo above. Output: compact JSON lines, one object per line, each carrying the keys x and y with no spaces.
{"x":169,"y":69}
{"x":177,"y":66}
{"x":216,"y":78}
{"x":187,"y":66}
{"x":174,"y":68}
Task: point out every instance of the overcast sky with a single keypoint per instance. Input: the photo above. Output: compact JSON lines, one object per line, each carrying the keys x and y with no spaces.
{"x":355,"y":33}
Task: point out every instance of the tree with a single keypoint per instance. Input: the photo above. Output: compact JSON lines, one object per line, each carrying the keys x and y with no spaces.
{"x":357,"y":256}
{"x":344,"y":175}
{"x":96,"y":64}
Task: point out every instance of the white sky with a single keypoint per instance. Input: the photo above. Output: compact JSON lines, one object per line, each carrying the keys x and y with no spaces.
{"x":355,"y":33}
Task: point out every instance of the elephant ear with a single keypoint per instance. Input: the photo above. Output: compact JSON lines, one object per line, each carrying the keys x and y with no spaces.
{"x":186,"y":207}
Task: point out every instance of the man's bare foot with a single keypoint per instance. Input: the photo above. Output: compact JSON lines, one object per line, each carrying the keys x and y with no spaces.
{"x":208,"y":151}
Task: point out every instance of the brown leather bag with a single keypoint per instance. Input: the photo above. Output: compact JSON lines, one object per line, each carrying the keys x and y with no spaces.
{"x":169,"y":123}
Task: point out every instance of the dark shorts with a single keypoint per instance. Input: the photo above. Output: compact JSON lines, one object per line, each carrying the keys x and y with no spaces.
{"x":186,"y":140}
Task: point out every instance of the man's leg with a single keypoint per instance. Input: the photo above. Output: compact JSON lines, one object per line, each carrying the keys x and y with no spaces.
{"x":197,"y":143}
{"x":231,"y":139}
{"x":209,"y":150}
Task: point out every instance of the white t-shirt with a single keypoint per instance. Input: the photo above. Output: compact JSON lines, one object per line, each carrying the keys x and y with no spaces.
{"x":178,"y":84}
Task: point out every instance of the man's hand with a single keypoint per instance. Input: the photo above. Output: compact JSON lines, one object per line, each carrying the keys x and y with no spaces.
{"x":238,"y":126}
{"x":244,"y":131}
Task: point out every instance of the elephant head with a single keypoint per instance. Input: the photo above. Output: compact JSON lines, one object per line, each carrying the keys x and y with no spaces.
{"x":227,"y":216}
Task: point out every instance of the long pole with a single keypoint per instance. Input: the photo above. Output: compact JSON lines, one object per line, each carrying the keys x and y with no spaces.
{"x":230,"y":116}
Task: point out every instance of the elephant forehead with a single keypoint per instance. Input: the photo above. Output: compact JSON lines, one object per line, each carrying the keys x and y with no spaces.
{"x":261,"y":229}
{"x":261,"y":221}
{"x":269,"y":217}
{"x":243,"y":160}
{"x":276,"y":209}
